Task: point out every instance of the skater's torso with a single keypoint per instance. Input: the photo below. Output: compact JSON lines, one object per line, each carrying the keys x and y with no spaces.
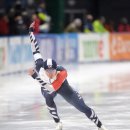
{"x":58,"y":81}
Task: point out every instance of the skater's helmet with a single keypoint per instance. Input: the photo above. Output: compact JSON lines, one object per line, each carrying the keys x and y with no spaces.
{"x":50,"y":64}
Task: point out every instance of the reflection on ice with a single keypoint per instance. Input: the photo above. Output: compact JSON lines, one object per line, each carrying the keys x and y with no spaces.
{"x":106,"y":87}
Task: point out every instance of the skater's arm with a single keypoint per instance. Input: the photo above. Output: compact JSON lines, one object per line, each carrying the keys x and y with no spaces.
{"x":61,"y":77}
{"x":33,"y":73}
{"x":35,"y":48}
{"x":60,"y":68}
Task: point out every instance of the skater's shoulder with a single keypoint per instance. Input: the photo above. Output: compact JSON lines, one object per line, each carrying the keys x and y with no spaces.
{"x":60,"y":68}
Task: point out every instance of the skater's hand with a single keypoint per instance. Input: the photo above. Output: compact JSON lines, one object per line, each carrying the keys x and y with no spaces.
{"x":31,"y":71}
{"x":32,"y":27}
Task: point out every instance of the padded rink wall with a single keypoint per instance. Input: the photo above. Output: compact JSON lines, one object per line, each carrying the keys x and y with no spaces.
{"x":16,"y":55}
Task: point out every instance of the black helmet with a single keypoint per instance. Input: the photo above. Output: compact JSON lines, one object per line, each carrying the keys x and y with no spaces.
{"x":50,"y":64}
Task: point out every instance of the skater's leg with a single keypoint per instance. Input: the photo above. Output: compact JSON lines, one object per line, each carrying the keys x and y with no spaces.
{"x":77,"y":101}
{"x":49,"y":98}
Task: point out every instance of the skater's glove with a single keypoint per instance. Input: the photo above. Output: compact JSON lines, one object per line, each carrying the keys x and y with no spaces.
{"x":32,"y":73}
{"x":32,"y":27}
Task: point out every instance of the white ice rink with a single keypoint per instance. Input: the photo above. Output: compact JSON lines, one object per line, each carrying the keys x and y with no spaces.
{"x":105,"y":87}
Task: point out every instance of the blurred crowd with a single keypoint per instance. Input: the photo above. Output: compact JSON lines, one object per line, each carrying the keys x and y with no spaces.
{"x":16,"y":19}
{"x":99,"y":25}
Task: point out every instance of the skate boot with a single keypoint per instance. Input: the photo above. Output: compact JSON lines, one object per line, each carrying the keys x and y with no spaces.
{"x":59,"y":126}
{"x":102,"y":128}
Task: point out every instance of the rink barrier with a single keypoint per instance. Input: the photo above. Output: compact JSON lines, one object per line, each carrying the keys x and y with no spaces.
{"x":61,"y":47}
{"x":15,"y":72}
{"x":16,"y":55}
{"x":119,"y":46}
{"x":93,"y":47}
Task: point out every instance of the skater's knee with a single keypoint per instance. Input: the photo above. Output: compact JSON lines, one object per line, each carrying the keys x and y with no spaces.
{"x":49,"y":99}
{"x":88,"y":112}
{"x":48,"y":96}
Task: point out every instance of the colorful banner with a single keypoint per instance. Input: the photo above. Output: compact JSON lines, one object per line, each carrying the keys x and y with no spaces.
{"x":61,"y":47}
{"x":93,"y":47}
{"x":67,"y":48}
{"x":47,"y":45}
{"x":19,"y":50}
{"x":3,"y":52}
{"x":119,"y":46}
{"x":15,"y":52}
{"x":2,"y":57}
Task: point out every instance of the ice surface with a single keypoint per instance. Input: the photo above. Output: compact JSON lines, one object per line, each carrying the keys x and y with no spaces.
{"x":105,"y":87}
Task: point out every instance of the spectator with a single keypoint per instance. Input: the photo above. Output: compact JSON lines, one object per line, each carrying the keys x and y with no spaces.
{"x":17,"y":19}
{"x":123,"y":25}
{"x":110,"y":26}
{"x":11,"y":16}
{"x":88,"y":27}
{"x":37,"y":23}
{"x":26,"y":18}
{"x":18,"y":7}
{"x":44,"y":18}
{"x":74,"y":26}
{"x":4,"y":24}
{"x":20,"y":26}
{"x":98,"y":25}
